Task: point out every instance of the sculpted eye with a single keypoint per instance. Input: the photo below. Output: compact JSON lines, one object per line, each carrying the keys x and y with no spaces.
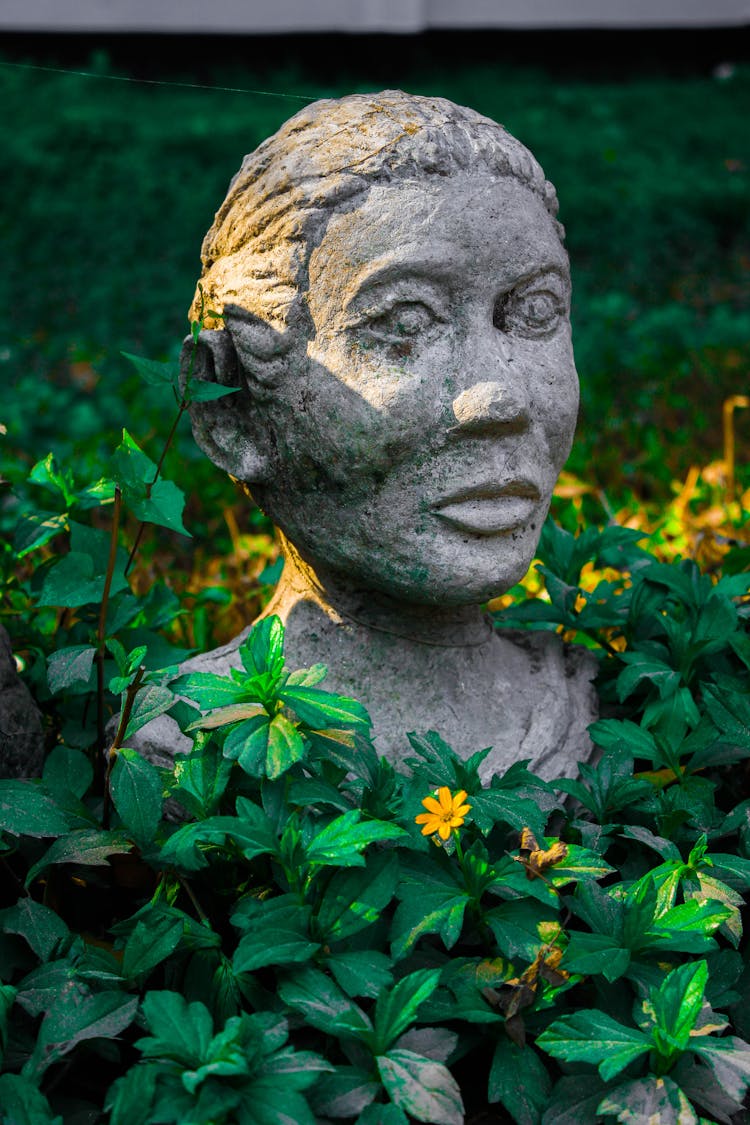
{"x":400,"y":324}
{"x":533,"y":312}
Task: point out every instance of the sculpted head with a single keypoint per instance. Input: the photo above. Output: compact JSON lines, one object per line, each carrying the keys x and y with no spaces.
{"x":395,"y":295}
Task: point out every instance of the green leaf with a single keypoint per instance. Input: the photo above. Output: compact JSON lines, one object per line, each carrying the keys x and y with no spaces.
{"x":503,"y":806}
{"x":519,"y":1081}
{"x":421,"y":1087}
{"x":41,"y":988}
{"x":435,"y":909}
{"x":640,"y":667}
{"x":285,"y":746}
{"x":67,"y":770}
{"x":382,"y":1115}
{"x":7,"y":998}
{"x":354,"y":900}
{"x":341,"y":841}
{"x":130,"y":1098}
{"x":286,"y":920}
{"x":303,"y":677}
{"x":322,"y":710}
{"x":136,"y":791}
{"x":594,"y":1037}
{"x":397,"y":1008}
{"x":152,"y":940}
{"x":78,"y":1017}
{"x":516,"y":927}
{"x":263,"y":649}
{"x":202,"y":391}
{"x":202,"y":778}
{"x":26,"y":809}
{"x":209,"y":690}
{"x":153,"y":371}
{"x":686,"y":927}
{"x":596,"y":953}
{"x":95,"y":495}
{"x":658,"y":1101}
{"x":323,"y":1004}
{"x":151,"y":700}
{"x":79,"y":577}
{"x":345,"y":1093}
{"x":185,"y":849}
{"x":699,"y":1084}
{"x":248,"y":744}
{"x":579,"y":863}
{"x":150,"y":498}
{"x":361,"y":972}
{"x":730,"y":711}
{"x":611,"y":733}
{"x":49,"y":475}
{"x":22,"y":1103}
{"x":729,"y":1059}
{"x":677,"y":1003}
{"x":86,"y":846}
{"x":574,"y":1100}
{"x":37,"y":924}
{"x":252,"y":830}
{"x":226,"y":716}
{"x":179,"y":1031}
{"x":69,"y":666}
{"x":37,"y":528}
{"x":269,"y":1103}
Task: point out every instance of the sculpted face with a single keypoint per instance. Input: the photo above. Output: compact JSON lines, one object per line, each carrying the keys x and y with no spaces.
{"x":414,"y":448}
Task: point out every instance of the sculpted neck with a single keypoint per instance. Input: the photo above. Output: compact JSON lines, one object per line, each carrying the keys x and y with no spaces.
{"x":309,"y":592}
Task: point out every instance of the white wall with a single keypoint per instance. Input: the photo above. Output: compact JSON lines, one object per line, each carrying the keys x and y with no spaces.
{"x":269,"y":16}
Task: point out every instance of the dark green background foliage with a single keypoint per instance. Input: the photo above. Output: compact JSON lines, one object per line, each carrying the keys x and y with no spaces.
{"x":108,"y":188}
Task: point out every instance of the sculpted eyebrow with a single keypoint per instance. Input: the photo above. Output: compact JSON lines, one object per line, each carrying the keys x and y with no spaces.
{"x":427,"y":271}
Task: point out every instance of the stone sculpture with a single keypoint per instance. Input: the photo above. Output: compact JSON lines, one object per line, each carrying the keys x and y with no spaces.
{"x":395,"y":299}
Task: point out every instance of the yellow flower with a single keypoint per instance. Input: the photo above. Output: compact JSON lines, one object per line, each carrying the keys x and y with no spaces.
{"x":443,"y":814}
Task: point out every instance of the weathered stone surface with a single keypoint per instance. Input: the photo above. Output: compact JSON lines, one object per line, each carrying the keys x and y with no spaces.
{"x":21,"y":741}
{"x":395,"y":294}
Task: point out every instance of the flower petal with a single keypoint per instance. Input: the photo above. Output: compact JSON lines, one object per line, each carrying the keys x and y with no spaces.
{"x":444,"y":796}
{"x":433,"y":806}
{"x":444,"y":830}
{"x":430,"y":828}
{"x":456,"y":821}
{"x":424,"y":817}
{"x":460,"y":797}
{"x":462,"y":811}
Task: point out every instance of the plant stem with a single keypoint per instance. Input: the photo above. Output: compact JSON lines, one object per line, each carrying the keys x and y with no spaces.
{"x":196,"y":905}
{"x":102,"y":629}
{"x":149,"y":487}
{"x":122,"y":726}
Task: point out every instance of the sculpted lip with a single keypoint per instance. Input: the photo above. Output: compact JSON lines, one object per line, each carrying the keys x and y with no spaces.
{"x":490,"y":509}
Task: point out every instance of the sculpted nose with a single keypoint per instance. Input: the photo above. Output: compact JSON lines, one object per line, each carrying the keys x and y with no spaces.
{"x":490,"y":408}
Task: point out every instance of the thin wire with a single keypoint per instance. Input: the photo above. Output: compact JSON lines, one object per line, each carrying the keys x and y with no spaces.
{"x":306,"y":98}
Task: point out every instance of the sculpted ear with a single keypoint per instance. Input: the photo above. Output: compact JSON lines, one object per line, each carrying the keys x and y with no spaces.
{"x":225,"y":428}
{"x":262,"y":350}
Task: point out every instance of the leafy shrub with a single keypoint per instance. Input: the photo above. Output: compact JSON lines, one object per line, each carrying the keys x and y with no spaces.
{"x":263,"y":934}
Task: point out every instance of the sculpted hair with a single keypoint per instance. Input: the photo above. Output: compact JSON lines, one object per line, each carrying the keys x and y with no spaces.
{"x":322,"y":160}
